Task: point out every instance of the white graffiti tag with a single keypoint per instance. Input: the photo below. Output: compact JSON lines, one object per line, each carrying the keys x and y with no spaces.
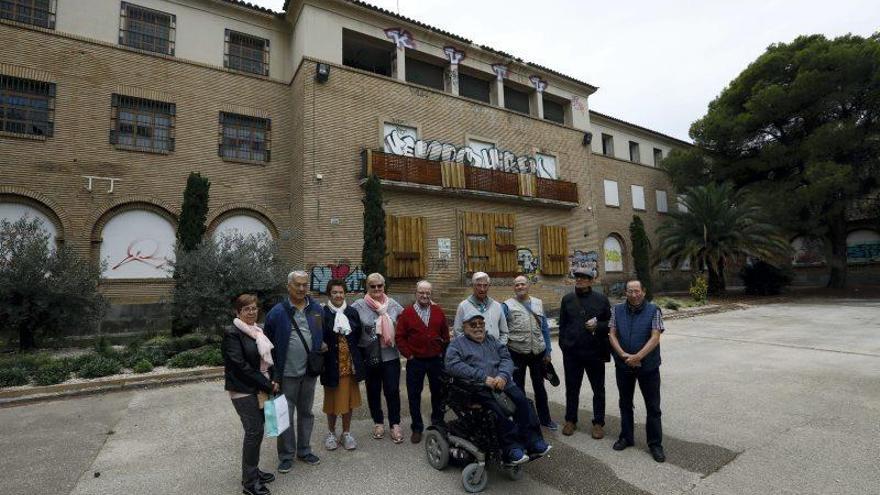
{"x":539,"y":84}
{"x":401,"y":38}
{"x":492,"y":158}
{"x":455,"y":56}
{"x":500,"y":71}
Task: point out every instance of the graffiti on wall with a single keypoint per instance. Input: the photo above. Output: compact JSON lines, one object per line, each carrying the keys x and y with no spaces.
{"x":402,"y":144}
{"x":454,"y":55}
{"x":539,"y":84}
{"x":863,"y":253}
{"x":582,"y":259}
{"x":354,"y":277}
{"x":500,"y":71}
{"x":808,"y":251}
{"x":579,"y":104}
{"x":401,"y":38}
{"x":617,"y":289}
{"x":528,"y":263}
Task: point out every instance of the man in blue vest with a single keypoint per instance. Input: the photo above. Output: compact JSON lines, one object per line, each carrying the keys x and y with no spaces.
{"x":635,"y":329}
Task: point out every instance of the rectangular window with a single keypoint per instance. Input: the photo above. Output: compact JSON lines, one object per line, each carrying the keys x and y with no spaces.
{"x":638,"y":197}
{"x":554,"y":111}
{"x":516,"y":100}
{"x":681,"y":206}
{"x":244,"y":138}
{"x":634,"y":152}
{"x":489,"y":243}
{"x":147,"y":29}
{"x":366,"y":53}
{"x":246,"y":53}
{"x":473,"y":87}
{"x":40,"y":13}
{"x":546,"y":166}
{"x":607,"y":145}
{"x":611,"y":197}
{"x":142,"y":125}
{"x":662,"y":206}
{"x":27,"y":107}
{"x":424,"y":73}
{"x":658,"y":156}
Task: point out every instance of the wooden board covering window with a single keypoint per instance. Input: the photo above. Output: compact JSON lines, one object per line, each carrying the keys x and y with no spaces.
{"x":489,"y":244}
{"x":405,"y":241}
{"x":554,"y":246}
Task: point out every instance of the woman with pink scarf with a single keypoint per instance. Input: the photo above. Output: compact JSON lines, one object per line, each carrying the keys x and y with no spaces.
{"x":247,"y":359}
{"x":378,"y":314}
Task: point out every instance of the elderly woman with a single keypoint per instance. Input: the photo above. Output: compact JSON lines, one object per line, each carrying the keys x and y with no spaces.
{"x":378,"y":314}
{"x":247,"y":358}
{"x":343,"y":366}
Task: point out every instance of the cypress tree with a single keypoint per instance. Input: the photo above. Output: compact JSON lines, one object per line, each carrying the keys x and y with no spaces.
{"x":190,"y":232}
{"x":373,"y":252}
{"x":641,"y":254}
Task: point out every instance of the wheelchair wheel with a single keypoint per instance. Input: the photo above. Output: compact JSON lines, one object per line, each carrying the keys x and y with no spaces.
{"x":514,"y":472}
{"x":436,"y":449}
{"x":474,"y":478}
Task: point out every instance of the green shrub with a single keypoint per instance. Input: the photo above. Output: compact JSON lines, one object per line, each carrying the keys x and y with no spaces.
{"x":27,"y":361}
{"x":186,"y":342}
{"x":186,"y":359}
{"x":154,"y":355}
{"x":212,"y":357}
{"x":13,"y":377}
{"x":75,"y":363}
{"x":142,"y":366}
{"x":763,"y":279}
{"x":672,"y":304}
{"x":157,"y":341}
{"x":699,"y":289}
{"x":51,"y":373}
{"x":100,"y":366}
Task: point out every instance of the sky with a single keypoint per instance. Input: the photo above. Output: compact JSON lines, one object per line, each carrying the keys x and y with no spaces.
{"x":657,"y":63}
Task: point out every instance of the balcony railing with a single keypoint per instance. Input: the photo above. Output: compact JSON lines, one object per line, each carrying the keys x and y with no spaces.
{"x":456,"y":176}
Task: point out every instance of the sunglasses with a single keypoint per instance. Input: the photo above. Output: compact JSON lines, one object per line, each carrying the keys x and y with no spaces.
{"x":377,"y":286}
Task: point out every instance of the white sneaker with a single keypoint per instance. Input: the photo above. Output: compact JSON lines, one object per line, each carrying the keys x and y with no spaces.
{"x":348,"y":441}
{"x":330,"y":442}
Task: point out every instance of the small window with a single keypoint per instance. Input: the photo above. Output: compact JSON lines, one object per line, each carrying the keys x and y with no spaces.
{"x":546,"y":166}
{"x":27,"y":107}
{"x":516,"y":100}
{"x":246,"y":53}
{"x":638,"y":197}
{"x":366,"y":53}
{"x":40,"y":13}
{"x":244,"y":138}
{"x":611,"y":197}
{"x":634,"y":152}
{"x":142,"y":125}
{"x":147,"y":29}
{"x":613,"y":254}
{"x":662,"y":206}
{"x":554,"y":111}
{"x":658,"y":156}
{"x":607,"y":145}
{"x":473,"y":87}
{"x":424,"y":73}
{"x":681,"y":206}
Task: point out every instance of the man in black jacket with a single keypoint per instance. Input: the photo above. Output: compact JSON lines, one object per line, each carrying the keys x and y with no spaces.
{"x":583,"y":338}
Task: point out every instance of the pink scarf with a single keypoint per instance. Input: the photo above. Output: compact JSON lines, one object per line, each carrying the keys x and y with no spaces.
{"x":264,"y":346}
{"x":384,"y":325}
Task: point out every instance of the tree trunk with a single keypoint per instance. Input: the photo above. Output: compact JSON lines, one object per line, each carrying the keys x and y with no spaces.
{"x":26,"y":340}
{"x":717,"y":284}
{"x":837,"y":260}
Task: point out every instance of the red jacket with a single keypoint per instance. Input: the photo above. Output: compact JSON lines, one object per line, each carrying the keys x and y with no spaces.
{"x":414,"y":339}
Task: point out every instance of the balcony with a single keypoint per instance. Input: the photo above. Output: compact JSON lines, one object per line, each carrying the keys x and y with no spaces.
{"x":455,"y":178}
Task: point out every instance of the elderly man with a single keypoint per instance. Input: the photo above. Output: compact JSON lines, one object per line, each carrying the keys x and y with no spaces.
{"x":583,"y":338}
{"x":295,"y":328}
{"x":493,"y":313}
{"x":636,"y":326}
{"x":422,"y":337}
{"x":480,"y":358}
{"x":529,"y":344}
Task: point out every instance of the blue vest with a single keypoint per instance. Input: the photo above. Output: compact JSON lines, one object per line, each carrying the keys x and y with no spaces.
{"x":634,"y":331}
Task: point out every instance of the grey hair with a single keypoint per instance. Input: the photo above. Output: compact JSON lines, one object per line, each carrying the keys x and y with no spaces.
{"x":297,"y":274}
{"x":480,"y":276}
{"x":424,"y":282}
{"x":375,"y":276}
{"x":525,"y":279}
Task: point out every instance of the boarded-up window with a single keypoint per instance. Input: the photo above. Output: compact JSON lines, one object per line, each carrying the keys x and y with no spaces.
{"x":554,"y":245}
{"x":638,"y":197}
{"x":489,"y":243}
{"x":405,"y":244}
{"x":611,"y":197}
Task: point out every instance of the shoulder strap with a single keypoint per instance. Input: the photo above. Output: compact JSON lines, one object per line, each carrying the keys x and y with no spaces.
{"x":298,"y":332}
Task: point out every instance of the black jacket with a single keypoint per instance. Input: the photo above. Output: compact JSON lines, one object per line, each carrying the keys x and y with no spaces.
{"x":574,"y":337}
{"x":242,"y":362}
{"x":330,"y":376}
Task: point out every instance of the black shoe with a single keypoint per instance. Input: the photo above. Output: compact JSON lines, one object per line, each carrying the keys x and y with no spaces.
{"x":621,"y":444}
{"x":285,"y":466}
{"x":309,"y":459}
{"x":657,"y":453}
{"x":255,"y":489}
{"x":266,"y":478}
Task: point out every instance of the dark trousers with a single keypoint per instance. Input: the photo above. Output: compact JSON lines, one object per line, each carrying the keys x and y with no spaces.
{"x":649,"y":384}
{"x":523,"y":431}
{"x":252,"y":418}
{"x":384,"y":378}
{"x":575,"y":366}
{"x":535,"y":365}
{"x":416,"y":369}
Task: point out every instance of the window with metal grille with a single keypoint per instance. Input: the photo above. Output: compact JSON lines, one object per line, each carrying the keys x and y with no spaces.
{"x":26,"y":106}
{"x":142,"y":125}
{"x":246,"y":53}
{"x":516,"y":100}
{"x":147,"y":29}
{"x":424,"y":73}
{"x":474,"y":87}
{"x":39,"y":13}
{"x":244,"y":138}
{"x":554,"y":111}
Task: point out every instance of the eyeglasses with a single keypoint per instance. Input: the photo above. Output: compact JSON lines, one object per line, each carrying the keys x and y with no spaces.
{"x":377,"y":286}
{"x":250,"y":309}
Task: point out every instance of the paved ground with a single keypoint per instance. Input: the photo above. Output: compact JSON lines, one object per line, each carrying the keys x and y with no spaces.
{"x":779,"y":399}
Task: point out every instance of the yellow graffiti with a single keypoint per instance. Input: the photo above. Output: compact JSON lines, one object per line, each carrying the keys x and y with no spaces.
{"x":613,"y":256}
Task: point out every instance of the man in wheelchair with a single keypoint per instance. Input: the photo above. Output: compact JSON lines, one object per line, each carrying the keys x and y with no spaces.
{"x":477,"y":357}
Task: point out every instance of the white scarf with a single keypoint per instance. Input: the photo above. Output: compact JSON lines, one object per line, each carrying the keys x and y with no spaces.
{"x":264,"y":346}
{"x":341,"y":325}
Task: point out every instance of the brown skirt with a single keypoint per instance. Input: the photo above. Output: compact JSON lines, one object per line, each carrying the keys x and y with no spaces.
{"x":342,"y":399}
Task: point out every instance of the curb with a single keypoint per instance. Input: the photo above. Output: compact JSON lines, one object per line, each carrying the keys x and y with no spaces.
{"x":12,"y":398}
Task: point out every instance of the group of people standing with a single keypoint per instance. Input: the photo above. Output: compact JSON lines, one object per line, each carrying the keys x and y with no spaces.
{"x":491,"y":342}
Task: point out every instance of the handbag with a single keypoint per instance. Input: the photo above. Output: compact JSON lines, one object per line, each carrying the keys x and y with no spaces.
{"x":372,"y":353}
{"x":314,"y":360}
{"x":277,"y":416}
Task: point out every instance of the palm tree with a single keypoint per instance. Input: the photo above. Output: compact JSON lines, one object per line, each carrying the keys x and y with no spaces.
{"x":718,"y":224}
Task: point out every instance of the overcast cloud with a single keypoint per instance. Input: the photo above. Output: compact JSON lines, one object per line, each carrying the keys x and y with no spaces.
{"x":656,"y":63}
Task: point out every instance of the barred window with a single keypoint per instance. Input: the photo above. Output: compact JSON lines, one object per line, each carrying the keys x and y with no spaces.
{"x":244,"y":138}
{"x":246,"y":53}
{"x":39,"y":13}
{"x":142,"y":125}
{"x":147,"y":29}
{"x":26,"y":106}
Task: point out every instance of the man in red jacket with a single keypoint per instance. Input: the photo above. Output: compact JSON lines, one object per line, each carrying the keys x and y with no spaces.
{"x":422,"y":337}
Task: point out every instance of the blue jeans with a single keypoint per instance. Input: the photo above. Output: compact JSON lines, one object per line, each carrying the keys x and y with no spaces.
{"x":523,"y":431}
{"x":416,"y":369}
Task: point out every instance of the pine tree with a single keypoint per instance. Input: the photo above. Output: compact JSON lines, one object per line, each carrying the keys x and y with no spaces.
{"x":641,"y":254}
{"x":190,"y":232}
{"x":373,"y":253}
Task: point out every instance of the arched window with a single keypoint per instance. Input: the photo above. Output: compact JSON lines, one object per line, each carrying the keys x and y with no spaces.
{"x":12,"y":212}
{"x":245,"y":225}
{"x":613,"y":254}
{"x":137,"y":244}
{"x":808,"y":251}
